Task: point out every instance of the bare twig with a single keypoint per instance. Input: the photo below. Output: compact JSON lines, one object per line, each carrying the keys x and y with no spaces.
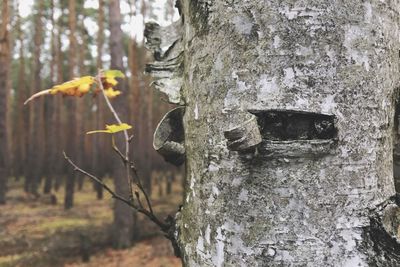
{"x":168,"y":225}
{"x":116,"y":149}
{"x":125,"y":158}
{"x":126,"y":136}
{"x":97,"y":180}
{"x":140,"y":186}
{"x":164,"y":227}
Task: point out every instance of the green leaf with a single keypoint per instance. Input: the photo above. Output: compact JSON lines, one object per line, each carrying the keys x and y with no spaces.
{"x":113,"y":74}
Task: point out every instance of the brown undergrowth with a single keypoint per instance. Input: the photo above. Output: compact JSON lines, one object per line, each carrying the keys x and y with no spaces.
{"x":33,"y":233}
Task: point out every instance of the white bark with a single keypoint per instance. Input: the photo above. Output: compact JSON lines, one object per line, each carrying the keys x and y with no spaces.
{"x":322,"y":77}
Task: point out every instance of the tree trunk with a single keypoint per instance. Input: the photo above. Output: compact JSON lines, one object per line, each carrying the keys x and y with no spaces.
{"x":36,"y":112}
{"x":122,"y":233}
{"x":21,"y":117}
{"x":98,"y":158}
{"x":72,"y":144}
{"x":4,"y":65}
{"x":51,"y":134}
{"x":289,"y":128}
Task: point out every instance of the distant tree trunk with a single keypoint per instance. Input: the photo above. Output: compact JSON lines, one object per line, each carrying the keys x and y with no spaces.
{"x":98,"y":140}
{"x":36,"y":121}
{"x":149,"y":141}
{"x":4,"y":65}
{"x":21,"y":116}
{"x":10,"y":96}
{"x":72,"y":108}
{"x":81,"y":114}
{"x":170,"y":179}
{"x":51,"y":134}
{"x":134,"y":100}
{"x":60,"y":105}
{"x":122,"y":232}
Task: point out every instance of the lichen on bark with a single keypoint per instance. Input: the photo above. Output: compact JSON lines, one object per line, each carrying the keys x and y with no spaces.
{"x":321,"y":77}
{"x":289,"y":202}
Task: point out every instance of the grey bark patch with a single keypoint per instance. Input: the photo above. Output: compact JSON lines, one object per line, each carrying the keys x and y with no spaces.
{"x":169,"y":137}
{"x":305,"y":197}
{"x":166,"y":45}
{"x":199,"y":13}
{"x":244,"y":136}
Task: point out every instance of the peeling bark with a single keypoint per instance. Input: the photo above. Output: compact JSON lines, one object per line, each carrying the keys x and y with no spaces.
{"x":321,"y":77}
{"x":166,"y":45}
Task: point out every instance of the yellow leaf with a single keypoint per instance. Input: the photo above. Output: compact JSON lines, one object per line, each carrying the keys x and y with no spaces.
{"x":113,"y":128}
{"x":75,"y":87}
{"x":84,"y":88}
{"x":71,"y":87}
{"x":111,"y":81}
{"x":111,"y":93}
{"x":113,"y":74}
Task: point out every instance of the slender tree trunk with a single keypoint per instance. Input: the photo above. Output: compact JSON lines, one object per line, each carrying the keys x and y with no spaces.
{"x":72,"y":107}
{"x":51,"y":134}
{"x":98,"y":140}
{"x":21,"y":116}
{"x":289,"y":127}
{"x":10,"y":97}
{"x":36,"y":121}
{"x":122,"y":233}
{"x":81,"y":109}
{"x":60,"y":104}
{"x":4,"y":65}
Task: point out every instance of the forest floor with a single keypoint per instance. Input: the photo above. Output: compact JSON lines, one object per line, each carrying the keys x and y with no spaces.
{"x":37,"y":234}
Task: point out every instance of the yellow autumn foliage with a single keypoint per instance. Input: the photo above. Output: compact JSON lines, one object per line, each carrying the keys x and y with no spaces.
{"x":82,"y":86}
{"x":113,"y":128}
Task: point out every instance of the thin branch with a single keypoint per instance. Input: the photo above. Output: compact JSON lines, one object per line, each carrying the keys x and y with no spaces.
{"x":126,"y":136}
{"x":140,"y":186}
{"x":116,"y":149}
{"x":97,"y":180}
{"x":164,"y":227}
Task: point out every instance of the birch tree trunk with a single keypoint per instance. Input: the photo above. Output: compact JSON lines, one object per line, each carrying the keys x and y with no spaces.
{"x":289,"y":126}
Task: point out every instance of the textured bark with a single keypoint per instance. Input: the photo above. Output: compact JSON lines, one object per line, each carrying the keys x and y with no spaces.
{"x":309,"y":194}
{"x":72,"y":143}
{"x":36,"y":112}
{"x":122,"y":233}
{"x":21,"y":117}
{"x":60,"y":165}
{"x":4,"y":64}
{"x":52,"y":114}
{"x":99,"y":117}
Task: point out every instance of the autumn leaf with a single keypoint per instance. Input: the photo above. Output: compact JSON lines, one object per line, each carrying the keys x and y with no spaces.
{"x":113,"y":74}
{"x":113,"y":128}
{"x":81,"y":86}
{"x":76,"y":87}
{"x":111,"y":93}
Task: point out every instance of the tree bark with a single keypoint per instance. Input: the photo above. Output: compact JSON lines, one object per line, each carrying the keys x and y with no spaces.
{"x":51,"y":132}
{"x":98,"y":158}
{"x":36,"y":143}
{"x":73,"y":144}
{"x":122,"y":229}
{"x":4,"y":65}
{"x":21,"y":117}
{"x":315,"y":82}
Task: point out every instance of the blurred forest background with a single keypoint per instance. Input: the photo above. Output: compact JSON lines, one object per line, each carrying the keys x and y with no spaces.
{"x":49,"y":214}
